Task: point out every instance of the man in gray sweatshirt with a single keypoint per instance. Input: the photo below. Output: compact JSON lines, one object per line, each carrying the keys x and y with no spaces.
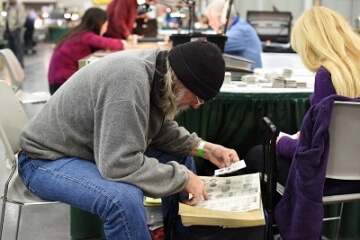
{"x":86,"y":146}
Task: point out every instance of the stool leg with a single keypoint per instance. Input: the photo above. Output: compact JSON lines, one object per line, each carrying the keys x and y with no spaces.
{"x":18,"y":222}
{"x":339,"y":221}
{"x":2,"y":217}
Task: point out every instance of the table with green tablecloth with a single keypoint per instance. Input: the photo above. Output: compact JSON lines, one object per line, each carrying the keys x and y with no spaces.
{"x":234,"y":119}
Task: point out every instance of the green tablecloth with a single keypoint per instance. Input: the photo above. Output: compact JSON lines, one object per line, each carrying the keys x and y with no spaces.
{"x":234,"y":120}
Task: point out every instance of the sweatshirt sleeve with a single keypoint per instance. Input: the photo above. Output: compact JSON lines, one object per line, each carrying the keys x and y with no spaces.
{"x":175,"y":139}
{"x":120,"y":134}
{"x":286,"y":146}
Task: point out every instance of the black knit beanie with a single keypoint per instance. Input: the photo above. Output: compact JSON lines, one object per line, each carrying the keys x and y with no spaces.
{"x":199,"y":65}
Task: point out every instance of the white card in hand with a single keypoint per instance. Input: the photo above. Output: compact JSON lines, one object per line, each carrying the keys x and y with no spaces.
{"x":232,"y":168}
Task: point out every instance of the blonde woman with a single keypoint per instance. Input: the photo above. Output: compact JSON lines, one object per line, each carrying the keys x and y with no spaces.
{"x":329,"y":47}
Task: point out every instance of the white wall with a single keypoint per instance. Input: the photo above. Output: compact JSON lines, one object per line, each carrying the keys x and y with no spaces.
{"x":350,"y":9}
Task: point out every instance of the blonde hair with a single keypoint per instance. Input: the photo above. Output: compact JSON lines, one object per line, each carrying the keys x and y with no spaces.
{"x":323,"y":37}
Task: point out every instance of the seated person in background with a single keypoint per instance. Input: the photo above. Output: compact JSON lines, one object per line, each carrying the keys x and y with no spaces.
{"x":330,"y":48}
{"x":86,"y":146}
{"x":122,"y":15}
{"x":78,"y":43}
{"x":242,"y":39}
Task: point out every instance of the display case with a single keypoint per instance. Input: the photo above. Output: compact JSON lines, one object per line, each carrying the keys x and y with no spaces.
{"x":271,"y":26}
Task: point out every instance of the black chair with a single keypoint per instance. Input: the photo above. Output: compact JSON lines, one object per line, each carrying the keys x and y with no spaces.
{"x":269,"y":175}
{"x":12,"y":119}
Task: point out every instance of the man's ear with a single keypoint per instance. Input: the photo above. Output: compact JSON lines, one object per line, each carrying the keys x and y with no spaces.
{"x":174,"y":79}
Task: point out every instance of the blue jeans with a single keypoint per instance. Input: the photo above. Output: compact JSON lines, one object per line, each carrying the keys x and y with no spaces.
{"x":170,"y":204}
{"x":77,"y":182}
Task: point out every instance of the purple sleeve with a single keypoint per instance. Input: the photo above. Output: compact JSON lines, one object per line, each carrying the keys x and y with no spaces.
{"x":323,"y":86}
{"x":286,"y":146}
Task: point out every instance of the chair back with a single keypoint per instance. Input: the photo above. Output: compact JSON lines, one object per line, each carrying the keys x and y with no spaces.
{"x":344,"y":155}
{"x":269,"y":168}
{"x":12,"y":67}
{"x":269,"y":173}
{"x":12,"y":119}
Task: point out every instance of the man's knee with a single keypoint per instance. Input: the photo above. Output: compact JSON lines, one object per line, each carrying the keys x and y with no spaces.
{"x":126,"y":199}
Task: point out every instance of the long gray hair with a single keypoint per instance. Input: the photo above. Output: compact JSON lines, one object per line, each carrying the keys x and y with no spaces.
{"x":172,"y":93}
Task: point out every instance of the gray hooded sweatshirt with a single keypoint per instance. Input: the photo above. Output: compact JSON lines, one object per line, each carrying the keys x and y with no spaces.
{"x":103,"y":113}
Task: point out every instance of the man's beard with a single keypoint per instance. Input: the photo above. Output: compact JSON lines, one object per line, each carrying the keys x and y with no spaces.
{"x":181,"y":108}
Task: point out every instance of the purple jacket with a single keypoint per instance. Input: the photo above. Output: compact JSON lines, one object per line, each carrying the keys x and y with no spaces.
{"x":64,"y":61}
{"x":323,"y":88}
{"x":299,"y":214}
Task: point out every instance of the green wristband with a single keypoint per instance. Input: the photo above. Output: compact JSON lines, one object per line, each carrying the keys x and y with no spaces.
{"x":201,"y":148}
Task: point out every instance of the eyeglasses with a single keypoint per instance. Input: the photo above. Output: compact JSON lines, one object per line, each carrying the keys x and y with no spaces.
{"x":199,"y":101}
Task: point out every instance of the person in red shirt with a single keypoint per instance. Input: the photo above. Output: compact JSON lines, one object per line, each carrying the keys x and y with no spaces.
{"x":122,"y":15}
{"x":78,"y":43}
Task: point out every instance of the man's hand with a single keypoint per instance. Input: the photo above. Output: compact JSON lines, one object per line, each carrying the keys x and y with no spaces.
{"x":196,"y":190}
{"x":222,"y":156}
